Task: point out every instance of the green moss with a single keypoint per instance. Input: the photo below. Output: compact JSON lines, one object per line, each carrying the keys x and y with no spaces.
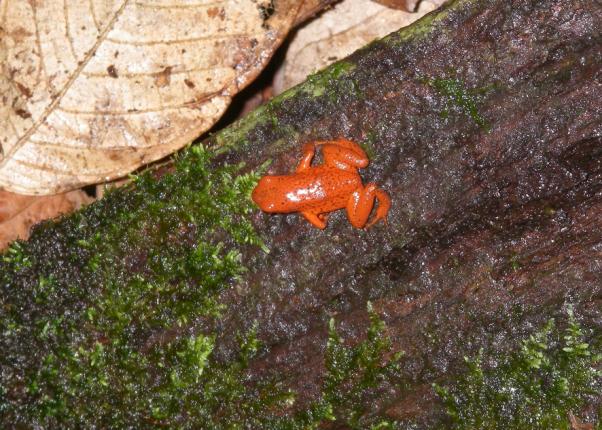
{"x":514,"y":262}
{"x":368,"y":144}
{"x":16,"y":256}
{"x":456,"y":93}
{"x":324,"y":81}
{"x":537,"y":387}
{"x":156,"y":263}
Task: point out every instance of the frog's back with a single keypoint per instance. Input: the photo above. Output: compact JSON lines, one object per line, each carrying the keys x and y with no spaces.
{"x":330,"y":188}
{"x":318,"y":189}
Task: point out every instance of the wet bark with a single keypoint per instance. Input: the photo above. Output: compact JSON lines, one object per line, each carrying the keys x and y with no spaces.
{"x":486,"y":132}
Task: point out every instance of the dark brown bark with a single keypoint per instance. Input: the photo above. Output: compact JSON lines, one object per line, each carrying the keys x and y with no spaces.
{"x":496,"y":221}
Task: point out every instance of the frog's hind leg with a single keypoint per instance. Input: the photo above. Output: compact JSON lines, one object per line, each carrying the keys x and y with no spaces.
{"x":343,"y":154}
{"x":317,"y":220}
{"x":360,"y":205}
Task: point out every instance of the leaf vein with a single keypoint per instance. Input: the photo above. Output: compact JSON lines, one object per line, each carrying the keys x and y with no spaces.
{"x":203,"y":98}
{"x":68,"y":31}
{"x":179,"y":41}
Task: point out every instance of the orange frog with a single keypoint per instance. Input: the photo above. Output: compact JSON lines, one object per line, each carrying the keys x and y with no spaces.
{"x":316,"y":190}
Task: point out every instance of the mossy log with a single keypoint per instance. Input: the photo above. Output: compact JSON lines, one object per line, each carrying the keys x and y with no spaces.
{"x":483,"y":121}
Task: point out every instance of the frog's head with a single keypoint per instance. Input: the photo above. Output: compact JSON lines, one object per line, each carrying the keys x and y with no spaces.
{"x":268,"y":194}
{"x":279,"y":194}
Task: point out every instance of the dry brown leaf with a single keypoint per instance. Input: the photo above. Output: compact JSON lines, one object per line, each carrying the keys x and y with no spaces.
{"x":18,"y":213}
{"x":310,"y":8}
{"x":92,"y":89}
{"x":338,"y":32}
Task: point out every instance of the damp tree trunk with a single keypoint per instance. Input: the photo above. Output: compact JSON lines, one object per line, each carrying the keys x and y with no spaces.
{"x":483,"y":121}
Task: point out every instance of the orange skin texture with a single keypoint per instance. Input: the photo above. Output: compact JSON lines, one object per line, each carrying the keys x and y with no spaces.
{"x":315,"y":191}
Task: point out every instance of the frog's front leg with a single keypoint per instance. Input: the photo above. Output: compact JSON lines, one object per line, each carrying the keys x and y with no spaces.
{"x":316,"y":219}
{"x":360,"y":205}
{"x":309,"y":151}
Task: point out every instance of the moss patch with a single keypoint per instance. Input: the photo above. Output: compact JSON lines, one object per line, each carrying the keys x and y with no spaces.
{"x":456,"y":93}
{"x":538,"y":387}
{"x":111,"y":340}
{"x":325,"y":81}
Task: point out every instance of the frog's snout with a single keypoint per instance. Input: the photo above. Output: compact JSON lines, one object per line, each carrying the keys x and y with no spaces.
{"x":263,"y":194}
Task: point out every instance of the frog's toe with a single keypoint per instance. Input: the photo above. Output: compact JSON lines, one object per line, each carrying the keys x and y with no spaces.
{"x":384,"y":204}
{"x":317,"y":220}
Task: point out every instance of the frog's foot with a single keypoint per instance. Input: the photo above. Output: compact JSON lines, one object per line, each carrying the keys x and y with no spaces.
{"x":384,"y":204}
{"x":317,"y":220}
{"x":343,"y":154}
{"x":361,"y":202}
